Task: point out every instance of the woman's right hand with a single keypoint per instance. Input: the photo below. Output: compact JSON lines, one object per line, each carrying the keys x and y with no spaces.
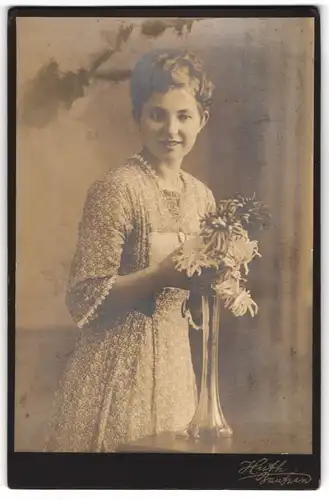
{"x":168,"y":274}
{"x":171,"y":277}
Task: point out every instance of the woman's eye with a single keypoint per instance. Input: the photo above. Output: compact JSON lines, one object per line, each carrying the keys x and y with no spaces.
{"x":184,"y":118}
{"x":156,"y":116}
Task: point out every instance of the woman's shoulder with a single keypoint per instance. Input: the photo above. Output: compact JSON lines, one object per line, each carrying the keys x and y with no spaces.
{"x":119,"y":178}
{"x":200,"y":186}
{"x":203,"y":193}
{"x":122,"y":174}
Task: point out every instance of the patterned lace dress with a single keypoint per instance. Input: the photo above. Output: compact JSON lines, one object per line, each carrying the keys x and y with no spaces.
{"x":131,"y":372}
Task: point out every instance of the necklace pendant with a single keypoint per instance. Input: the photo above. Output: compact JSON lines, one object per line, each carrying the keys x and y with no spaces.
{"x":181,"y":237}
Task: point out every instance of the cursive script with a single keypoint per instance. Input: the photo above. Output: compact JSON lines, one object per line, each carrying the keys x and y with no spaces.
{"x":265,"y":472}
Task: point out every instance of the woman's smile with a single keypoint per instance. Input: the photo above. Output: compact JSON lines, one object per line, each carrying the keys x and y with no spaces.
{"x":170,"y":144}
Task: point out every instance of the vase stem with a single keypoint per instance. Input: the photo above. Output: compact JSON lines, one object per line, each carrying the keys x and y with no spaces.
{"x":209,"y":420}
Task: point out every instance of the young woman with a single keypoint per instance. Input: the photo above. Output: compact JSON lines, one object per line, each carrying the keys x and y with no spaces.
{"x":131,"y":373}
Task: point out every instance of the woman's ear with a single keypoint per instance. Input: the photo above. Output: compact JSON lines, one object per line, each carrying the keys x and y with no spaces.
{"x":204,"y":119}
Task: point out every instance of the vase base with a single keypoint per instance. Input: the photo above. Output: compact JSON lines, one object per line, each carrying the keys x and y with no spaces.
{"x":205,"y":433}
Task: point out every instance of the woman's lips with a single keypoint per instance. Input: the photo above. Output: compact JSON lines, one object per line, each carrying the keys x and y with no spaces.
{"x":170,"y":144}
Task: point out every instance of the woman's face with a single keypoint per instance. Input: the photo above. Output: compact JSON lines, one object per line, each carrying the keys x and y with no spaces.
{"x":170,"y":123}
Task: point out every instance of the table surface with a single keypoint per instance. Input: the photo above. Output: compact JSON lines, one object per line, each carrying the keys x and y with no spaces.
{"x":247,"y":438}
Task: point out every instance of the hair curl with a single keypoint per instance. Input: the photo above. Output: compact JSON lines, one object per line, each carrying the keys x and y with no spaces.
{"x":160,"y":70}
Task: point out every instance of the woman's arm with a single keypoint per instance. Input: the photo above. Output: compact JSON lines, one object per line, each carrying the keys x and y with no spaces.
{"x":97,"y":290}
{"x":96,"y":287}
{"x":131,"y":288}
{"x":128,"y":290}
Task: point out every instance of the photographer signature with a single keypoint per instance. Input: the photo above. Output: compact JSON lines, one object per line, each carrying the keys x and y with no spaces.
{"x":265,"y":472}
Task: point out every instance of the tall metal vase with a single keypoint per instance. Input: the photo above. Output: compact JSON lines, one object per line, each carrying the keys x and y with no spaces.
{"x":209,"y":421}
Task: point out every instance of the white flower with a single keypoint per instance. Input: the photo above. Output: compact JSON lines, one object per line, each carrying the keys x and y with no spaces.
{"x":243,"y":303}
{"x":227,"y":288}
{"x":241,"y":252}
{"x":193,"y":257}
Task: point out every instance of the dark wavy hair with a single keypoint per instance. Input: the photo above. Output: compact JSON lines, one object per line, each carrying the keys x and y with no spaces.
{"x":160,"y":70}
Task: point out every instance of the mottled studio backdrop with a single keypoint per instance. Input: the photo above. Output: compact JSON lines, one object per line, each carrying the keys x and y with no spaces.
{"x":74,"y":123}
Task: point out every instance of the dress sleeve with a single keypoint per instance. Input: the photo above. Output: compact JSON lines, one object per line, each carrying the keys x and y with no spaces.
{"x":103,"y":231}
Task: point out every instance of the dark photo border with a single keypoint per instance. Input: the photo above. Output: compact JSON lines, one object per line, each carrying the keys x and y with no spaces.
{"x":158,"y":470}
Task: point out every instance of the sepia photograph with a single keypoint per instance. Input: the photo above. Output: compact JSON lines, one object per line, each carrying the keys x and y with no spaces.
{"x":164,"y":234}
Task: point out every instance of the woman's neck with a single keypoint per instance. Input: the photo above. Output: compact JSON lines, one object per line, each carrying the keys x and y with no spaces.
{"x":167,"y":171}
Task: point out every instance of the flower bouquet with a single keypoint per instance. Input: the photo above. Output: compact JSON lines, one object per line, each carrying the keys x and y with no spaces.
{"x":225,"y":244}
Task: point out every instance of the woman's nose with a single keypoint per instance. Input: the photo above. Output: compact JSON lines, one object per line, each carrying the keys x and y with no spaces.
{"x":172,"y":126}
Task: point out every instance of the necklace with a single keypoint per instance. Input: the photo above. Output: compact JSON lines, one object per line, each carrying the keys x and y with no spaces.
{"x":180,"y":180}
